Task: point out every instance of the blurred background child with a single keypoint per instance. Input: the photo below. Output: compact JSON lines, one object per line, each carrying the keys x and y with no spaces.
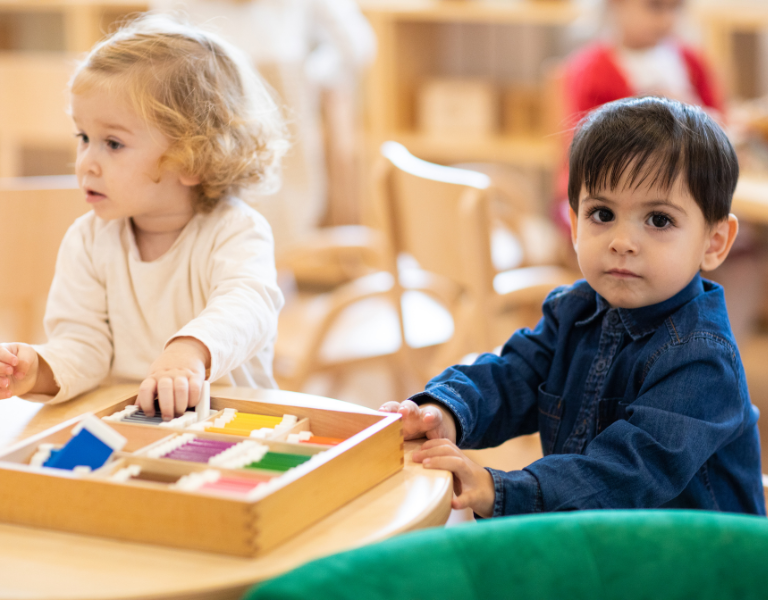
{"x":304,"y":49}
{"x":641,"y":54}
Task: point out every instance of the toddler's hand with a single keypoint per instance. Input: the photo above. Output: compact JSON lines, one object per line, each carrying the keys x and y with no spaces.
{"x":472,"y":484}
{"x":176,"y":378}
{"x":18,"y":369}
{"x":431,"y":420}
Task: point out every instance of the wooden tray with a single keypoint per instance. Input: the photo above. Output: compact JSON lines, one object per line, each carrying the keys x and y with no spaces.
{"x":153,"y":512}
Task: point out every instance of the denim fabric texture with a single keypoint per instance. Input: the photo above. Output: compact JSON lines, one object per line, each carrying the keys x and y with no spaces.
{"x":636,"y":408}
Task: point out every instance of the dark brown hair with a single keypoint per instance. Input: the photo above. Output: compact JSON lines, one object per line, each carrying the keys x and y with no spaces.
{"x":654,"y":140}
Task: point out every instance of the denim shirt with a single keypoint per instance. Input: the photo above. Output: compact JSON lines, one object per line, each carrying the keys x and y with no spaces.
{"x":636,"y":408}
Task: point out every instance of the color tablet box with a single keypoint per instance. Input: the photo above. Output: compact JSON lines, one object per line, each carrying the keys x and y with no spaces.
{"x":150,"y":509}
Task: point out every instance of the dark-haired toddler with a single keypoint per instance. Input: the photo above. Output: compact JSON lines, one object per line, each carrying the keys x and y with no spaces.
{"x":632,"y":377}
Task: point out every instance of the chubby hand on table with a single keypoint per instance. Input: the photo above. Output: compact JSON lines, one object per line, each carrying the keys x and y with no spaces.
{"x":22,"y":371}
{"x":472,"y":484}
{"x":175,"y":378}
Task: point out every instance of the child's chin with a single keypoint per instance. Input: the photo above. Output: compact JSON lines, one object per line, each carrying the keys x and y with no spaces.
{"x":624,"y":300}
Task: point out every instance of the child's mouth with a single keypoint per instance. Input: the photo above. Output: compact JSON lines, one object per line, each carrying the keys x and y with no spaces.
{"x":623,"y":273}
{"x":92,"y":196}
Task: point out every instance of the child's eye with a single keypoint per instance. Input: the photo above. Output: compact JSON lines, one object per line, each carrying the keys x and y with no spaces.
{"x":114,"y":145}
{"x":660,"y":221}
{"x":601,"y":215}
{"x":82,"y":137}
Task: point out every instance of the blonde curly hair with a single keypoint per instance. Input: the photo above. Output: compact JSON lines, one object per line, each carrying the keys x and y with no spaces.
{"x":203,"y":94}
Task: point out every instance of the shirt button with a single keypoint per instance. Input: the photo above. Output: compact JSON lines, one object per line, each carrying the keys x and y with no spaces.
{"x":613,"y":318}
{"x":601,"y":364}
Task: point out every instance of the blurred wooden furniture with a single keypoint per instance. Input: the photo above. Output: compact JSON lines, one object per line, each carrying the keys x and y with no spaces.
{"x":726,"y":26}
{"x":79,"y":566}
{"x":521,"y":236}
{"x":440,"y":218}
{"x":40,"y":41}
{"x":343,"y":313}
{"x":35,"y":213}
{"x":750,"y":200}
{"x":333,"y":274}
{"x":418,"y":319}
{"x":33,"y":113}
{"x":422,"y":39}
{"x":59,"y":25}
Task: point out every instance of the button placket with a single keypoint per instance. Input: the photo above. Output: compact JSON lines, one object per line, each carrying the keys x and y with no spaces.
{"x":610,"y":337}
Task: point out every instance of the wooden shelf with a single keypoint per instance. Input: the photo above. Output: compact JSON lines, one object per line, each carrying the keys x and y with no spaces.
{"x":525,"y":151}
{"x":83,"y":21}
{"x":539,"y":12}
{"x":416,"y":38}
{"x":741,"y":15}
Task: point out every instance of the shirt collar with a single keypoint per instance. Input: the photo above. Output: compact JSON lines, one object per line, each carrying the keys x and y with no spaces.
{"x":647,"y":319}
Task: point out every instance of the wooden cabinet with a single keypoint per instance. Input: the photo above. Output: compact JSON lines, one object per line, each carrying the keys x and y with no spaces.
{"x":40,"y":42}
{"x":730,"y":37}
{"x":429,"y":44}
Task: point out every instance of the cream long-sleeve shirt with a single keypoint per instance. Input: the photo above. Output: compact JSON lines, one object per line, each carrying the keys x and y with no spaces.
{"x":110,"y":315}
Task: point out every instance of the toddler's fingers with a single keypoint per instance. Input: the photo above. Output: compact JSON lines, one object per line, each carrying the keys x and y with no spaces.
{"x":431,"y":416}
{"x":24,"y":364}
{"x":165,"y":397}
{"x":391,"y":406}
{"x":438,"y":442}
{"x":454,"y":464}
{"x":8,"y":359}
{"x":195,"y":392}
{"x":181,"y":394}
{"x":146,"y":398}
{"x":424,"y":455}
{"x":409,"y":409}
{"x":461,"y":502}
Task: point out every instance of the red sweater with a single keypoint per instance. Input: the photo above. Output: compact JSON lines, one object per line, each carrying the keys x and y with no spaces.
{"x":593,"y":78}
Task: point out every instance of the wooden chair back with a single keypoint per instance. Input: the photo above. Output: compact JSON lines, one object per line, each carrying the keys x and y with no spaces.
{"x":36,"y":213}
{"x":441,"y":217}
{"x":437,"y":215}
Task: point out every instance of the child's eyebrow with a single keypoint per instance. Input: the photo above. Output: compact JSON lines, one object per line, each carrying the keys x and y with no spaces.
{"x":115,"y":127}
{"x":666,"y":203}
{"x":598,"y":199}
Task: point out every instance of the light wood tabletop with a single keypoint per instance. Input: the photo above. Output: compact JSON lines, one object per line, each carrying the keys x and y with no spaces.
{"x":45,"y":564}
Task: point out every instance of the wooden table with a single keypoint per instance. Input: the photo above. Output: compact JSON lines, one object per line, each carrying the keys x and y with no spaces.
{"x":38,"y":563}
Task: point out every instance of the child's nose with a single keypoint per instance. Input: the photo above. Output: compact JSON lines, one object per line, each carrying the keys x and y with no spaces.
{"x":87,"y":161}
{"x":623,"y":242}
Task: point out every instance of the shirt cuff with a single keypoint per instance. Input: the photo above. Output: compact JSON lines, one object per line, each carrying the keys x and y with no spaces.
{"x":64,"y":392}
{"x":445,"y":396}
{"x":517,"y":493}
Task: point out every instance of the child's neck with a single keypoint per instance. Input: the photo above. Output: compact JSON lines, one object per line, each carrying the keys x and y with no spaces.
{"x":155,"y":240}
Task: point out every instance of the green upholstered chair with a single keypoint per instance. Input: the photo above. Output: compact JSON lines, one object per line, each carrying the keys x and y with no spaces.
{"x":595,"y":555}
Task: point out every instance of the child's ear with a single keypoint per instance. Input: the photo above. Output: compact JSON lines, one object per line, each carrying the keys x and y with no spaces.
{"x":574,"y":222}
{"x":721,"y":238}
{"x":189,"y":180}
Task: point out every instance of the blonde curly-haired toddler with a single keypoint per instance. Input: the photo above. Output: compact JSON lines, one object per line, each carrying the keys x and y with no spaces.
{"x":169,"y":280}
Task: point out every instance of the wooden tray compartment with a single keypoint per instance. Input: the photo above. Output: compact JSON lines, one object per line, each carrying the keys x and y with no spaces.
{"x":301,"y":425}
{"x":158,"y":514}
